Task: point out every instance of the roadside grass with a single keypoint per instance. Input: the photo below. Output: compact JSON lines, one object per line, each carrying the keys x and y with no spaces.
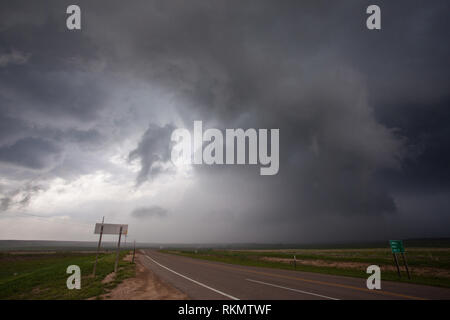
{"x":42,"y":276}
{"x":437,"y":259}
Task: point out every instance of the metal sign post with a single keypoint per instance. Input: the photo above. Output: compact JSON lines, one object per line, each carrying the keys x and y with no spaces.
{"x":118,"y":251}
{"x":396,"y":263}
{"x":406,"y":265}
{"x":397,"y":247}
{"x":98,"y":247}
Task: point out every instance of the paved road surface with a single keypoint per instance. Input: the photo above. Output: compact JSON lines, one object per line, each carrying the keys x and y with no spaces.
{"x":201,"y":279}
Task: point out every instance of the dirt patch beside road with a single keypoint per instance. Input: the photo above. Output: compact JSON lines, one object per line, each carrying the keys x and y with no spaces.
{"x":145,"y":286}
{"x":429,"y":271}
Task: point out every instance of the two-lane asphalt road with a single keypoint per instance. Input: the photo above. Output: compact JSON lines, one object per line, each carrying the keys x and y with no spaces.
{"x":201,"y":279}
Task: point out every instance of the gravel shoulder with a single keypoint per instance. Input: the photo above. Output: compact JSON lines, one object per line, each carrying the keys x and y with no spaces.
{"x":144,"y":286}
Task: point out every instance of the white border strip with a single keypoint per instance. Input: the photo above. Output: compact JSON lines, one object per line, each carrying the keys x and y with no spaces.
{"x":281,"y":287}
{"x":196,"y":282}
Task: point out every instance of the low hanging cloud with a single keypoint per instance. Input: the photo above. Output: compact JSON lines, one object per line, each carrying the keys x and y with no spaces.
{"x":31,"y":153}
{"x":152,"y":151}
{"x":19,"y":198}
{"x":149,"y":212}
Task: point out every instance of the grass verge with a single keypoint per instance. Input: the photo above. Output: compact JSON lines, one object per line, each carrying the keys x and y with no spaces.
{"x":42,"y":276}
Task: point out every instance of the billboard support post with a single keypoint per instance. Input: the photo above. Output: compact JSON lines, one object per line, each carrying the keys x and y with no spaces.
{"x":108,"y":228}
{"x":118,"y":251}
{"x":98,"y":247}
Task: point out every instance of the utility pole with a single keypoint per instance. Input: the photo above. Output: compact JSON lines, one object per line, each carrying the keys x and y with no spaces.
{"x":98,"y":247}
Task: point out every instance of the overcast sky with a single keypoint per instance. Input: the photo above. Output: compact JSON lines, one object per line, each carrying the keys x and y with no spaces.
{"x":86,"y":118}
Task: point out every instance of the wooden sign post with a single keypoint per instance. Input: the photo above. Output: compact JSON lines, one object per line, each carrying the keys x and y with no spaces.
{"x":98,"y":247}
{"x":108,"y":228}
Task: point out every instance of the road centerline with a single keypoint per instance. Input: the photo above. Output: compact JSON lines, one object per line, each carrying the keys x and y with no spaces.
{"x":291,"y":289}
{"x":192,"y":280}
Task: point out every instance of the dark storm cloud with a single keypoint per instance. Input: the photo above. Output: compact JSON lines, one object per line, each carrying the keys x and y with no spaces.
{"x":25,"y":144}
{"x":362,"y":114}
{"x":51,"y":92}
{"x":152,"y":151}
{"x":32,"y":153}
{"x":11,"y":128}
{"x":80,"y":137}
{"x":314,"y":71}
{"x":48,"y":70}
{"x":55,"y":94}
{"x":149,"y":212}
{"x":247,"y":73}
{"x":13,"y":57}
{"x":425,"y":125}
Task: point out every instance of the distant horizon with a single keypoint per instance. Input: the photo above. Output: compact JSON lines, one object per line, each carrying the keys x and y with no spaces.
{"x":235,"y":243}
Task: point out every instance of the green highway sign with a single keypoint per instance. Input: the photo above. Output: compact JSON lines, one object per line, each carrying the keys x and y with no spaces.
{"x":397,"y":246}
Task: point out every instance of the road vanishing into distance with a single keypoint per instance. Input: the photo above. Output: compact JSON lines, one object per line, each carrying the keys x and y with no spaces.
{"x":201,"y":279}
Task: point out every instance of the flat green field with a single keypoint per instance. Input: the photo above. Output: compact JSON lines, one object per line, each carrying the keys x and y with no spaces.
{"x":42,"y":275}
{"x":430,"y":266}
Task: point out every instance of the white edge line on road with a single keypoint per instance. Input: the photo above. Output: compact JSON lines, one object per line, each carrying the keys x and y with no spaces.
{"x":199,"y":283}
{"x":296,"y":290}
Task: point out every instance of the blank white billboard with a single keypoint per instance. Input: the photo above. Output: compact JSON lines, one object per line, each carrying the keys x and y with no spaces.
{"x":109,"y":228}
